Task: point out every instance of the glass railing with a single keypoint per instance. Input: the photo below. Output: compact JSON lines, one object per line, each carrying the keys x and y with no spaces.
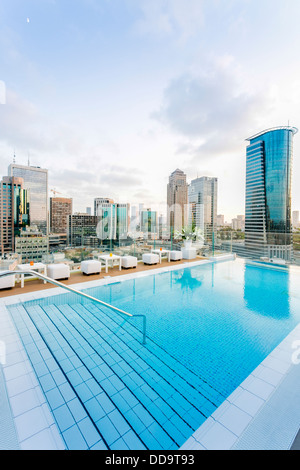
{"x":253,"y":245}
{"x":259,"y":245}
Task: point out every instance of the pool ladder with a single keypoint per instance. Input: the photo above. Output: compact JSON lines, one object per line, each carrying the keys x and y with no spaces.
{"x":82,"y":294}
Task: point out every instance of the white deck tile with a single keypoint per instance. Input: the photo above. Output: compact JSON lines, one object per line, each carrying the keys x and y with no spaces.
{"x":218,"y":438}
{"x":270,"y":376}
{"x":248,"y":402}
{"x":44,"y":440}
{"x":258,"y":387}
{"x":235,"y":420}
{"x":277,"y":364}
{"x":24,"y":402}
{"x":30,"y":423}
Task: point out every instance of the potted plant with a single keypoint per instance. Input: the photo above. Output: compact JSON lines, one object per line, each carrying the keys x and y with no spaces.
{"x":189,"y":235}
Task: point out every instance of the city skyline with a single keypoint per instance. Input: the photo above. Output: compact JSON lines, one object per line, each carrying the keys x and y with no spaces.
{"x":112,"y":97}
{"x":161,"y":208}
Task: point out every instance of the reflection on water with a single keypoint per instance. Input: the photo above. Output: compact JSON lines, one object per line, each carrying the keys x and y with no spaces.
{"x":266,"y":291}
{"x":187,"y":279}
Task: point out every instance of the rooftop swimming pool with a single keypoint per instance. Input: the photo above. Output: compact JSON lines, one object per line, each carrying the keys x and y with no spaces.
{"x":208,"y":328}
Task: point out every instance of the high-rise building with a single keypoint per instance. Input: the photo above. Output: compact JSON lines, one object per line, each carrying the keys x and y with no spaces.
{"x":149,"y":221}
{"x":203,"y":202}
{"x":296,"y":219}
{"x":268,"y":217}
{"x":123,"y":220}
{"x":32,"y":245}
{"x":100,"y":201}
{"x":82,"y":230}
{"x":220,"y":220}
{"x":60,"y":209}
{"x":114,"y":219}
{"x":177,"y":201}
{"x":134,"y":218}
{"x":106,"y":211}
{"x":36,"y":182}
{"x":14,"y":212}
{"x":238,"y":223}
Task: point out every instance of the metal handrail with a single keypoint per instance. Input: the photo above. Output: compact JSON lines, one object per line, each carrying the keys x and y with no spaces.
{"x":82,"y":294}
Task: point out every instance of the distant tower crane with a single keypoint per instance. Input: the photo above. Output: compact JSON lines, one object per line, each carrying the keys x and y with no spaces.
{"x":54,"y":192}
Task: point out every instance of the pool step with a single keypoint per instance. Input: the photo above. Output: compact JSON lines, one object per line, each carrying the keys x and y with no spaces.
{"x":116,"y":374}
{"x":130,"y":395}
{"x":77,"y":429}
{"x":132,"y":366}
{"x":129,"y":332}
{"x":153,"y":360}
{"x":111,"y":404}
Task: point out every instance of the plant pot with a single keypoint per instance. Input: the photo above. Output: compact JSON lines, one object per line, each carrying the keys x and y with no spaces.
{"x":188,"y":244}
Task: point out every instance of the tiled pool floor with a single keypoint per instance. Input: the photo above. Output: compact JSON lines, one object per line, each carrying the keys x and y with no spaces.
{"x":105,"y":389}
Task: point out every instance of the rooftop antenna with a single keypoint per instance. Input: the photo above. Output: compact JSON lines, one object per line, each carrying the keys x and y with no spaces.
{"x":28,"y":159}
{"x":14,"y":159}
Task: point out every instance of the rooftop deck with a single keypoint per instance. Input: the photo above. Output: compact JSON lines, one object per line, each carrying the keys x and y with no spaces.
{"x":76,"y":277}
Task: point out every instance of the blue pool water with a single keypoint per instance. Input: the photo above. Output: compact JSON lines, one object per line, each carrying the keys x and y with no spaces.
{"x":208,"y":327}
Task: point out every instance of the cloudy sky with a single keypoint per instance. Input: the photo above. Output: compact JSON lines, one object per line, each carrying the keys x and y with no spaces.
{"x":113,"y":95}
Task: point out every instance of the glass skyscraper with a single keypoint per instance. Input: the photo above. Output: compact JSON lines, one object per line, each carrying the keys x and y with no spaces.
{"x":149,"y":221}
{"x":268,"y":217}
{"x":113,"y":219}
{"x":105,"y":210}
{"x":14,"y":212}
{"x":36,"y":183}
{"x":122,"y":220}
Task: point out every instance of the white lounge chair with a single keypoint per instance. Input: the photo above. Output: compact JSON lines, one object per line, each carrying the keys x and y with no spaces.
{"x":7,"y":282}
{"x":175,"y":255}
{"x":90,"y":267}
{"x":129,"y":262}
{"x":58,"y":271}
{"x":150,"y":258}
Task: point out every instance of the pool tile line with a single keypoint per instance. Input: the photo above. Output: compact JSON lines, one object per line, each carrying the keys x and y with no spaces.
{"x":227,"y":425}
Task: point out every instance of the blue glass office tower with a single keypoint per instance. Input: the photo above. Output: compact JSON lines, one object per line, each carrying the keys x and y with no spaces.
{"x":268,"y":218}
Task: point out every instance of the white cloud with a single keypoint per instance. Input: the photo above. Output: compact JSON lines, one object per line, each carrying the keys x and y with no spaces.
{"x":170,"y":16}
{"x":212,"y":111}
